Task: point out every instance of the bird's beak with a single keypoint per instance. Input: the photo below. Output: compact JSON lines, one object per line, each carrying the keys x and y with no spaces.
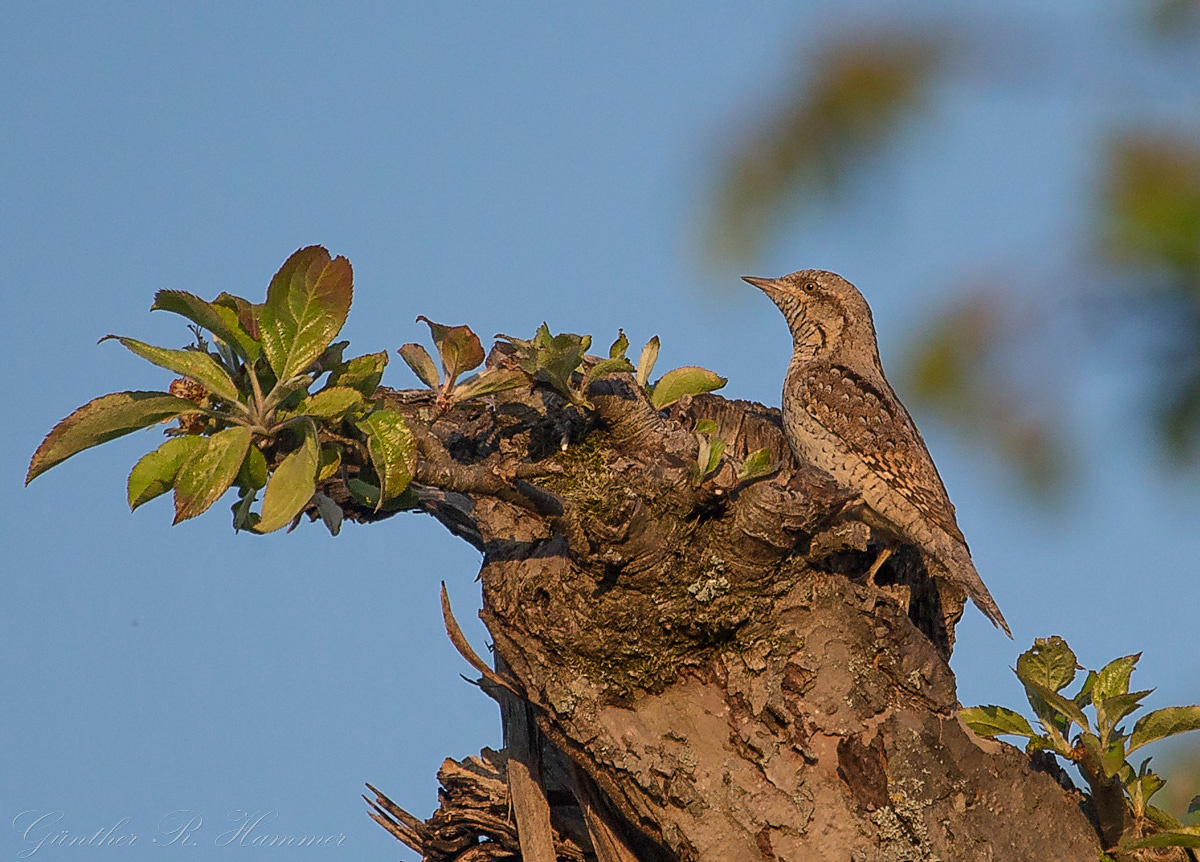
{"x":769,"y":286}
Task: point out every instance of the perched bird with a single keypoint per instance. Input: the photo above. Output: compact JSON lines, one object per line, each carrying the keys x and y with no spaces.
{"x":840,"y":414}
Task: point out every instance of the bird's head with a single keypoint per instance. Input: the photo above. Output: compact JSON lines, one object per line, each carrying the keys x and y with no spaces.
{"x":823,"y":311}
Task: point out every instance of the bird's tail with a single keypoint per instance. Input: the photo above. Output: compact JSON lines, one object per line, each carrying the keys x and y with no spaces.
{"x":961,"y":570}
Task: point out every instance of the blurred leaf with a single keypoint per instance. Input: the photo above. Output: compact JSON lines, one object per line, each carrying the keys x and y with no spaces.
{"x":854,"y":101}
{"x":421,"y":363}
{"x":1151,"y":215}
{"x":1172,"y":19}
{"x":307,"y":304}
{"x":706,"y":426}
{"x":688,"y":380}
{"x":154,"y":474}
{"x":103,"y":419}
{"x":196,"y":364}
{"x":291,"y":486}
{"x":957,"y":369}
{"x":991,"y":721}
{"x":209,"y":471}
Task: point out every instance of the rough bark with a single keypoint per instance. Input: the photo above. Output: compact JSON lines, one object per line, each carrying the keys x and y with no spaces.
{"x":711,"y":677}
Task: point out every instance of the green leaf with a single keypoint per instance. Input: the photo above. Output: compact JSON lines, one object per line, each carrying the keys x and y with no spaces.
{"x":332,"y":402}
{"x":222,"y":322}
{"x":243,"y":517}
{"x":421,"y":363}
{"x":1049,"y":663}
{"x":618,"y":348}
{"x":362,"y":372}
{"x":330,"y":358}
{"x":209,"y":471}
{"x":558,"y":361}
{"x":1163,"y":723}
{"x":1161,"y":818}
{"x":364,"y":492}
{"x":1110,"y":710}
{"x":1187,"y":836}
{"x":646,"y":362}
{"x":757,"y":463}
{"x":619,"y":365}
{"x":292,"y":484}
{"x":253,"y":474}
{"x":286,"y":395}
{"x":245,"y":312}
{"x":154,"y":474}
{"x":331,"y":460}
{"x":458,"y":347}
{"x":368,"y":495}
{"x":1149,"y":784}
{"x":1055,"y":701}
{"x":1113,"y":678}
{"x":1114,"y":756}
{"x":1084,"y":696}
{"x":103,"y":419}
{"x":706,"y":426}
{"x":195,"y":364}
{"x":490,"y":382}
{"x":992,"y":721}
{"x":689,"y":380}
{"x":716,"y":448}
{"x":330,"y":512}
{"x":307,"y":304}
{"x":393,"y":451}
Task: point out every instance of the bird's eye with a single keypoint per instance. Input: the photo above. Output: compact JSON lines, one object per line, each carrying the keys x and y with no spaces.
{"x":810,"y":287}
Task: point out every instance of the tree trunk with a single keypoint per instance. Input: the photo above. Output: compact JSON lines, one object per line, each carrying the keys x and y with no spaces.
{"x":710,"y":676}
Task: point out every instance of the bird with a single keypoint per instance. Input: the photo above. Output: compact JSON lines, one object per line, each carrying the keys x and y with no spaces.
{"x":841,"y":415}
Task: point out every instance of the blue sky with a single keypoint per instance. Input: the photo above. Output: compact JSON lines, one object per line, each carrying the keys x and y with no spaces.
{"x":496,"y":166}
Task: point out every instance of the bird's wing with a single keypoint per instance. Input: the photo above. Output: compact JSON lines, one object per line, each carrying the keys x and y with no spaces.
{"x":876,"y":427}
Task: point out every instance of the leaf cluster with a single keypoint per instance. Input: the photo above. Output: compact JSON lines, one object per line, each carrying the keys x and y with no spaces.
{"x":250,"y":417}
{"x":268,"y":404}
{"x":1101,"y":745}
{"x":559,"y":361}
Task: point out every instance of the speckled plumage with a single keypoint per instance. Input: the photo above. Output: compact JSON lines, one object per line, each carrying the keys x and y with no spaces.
{"x":840,"y":414}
